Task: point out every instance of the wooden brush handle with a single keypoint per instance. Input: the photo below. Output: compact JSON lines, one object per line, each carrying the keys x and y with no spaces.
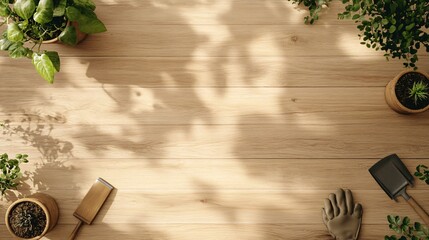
{"x":419,"y":210}
{"x":75,"y":231}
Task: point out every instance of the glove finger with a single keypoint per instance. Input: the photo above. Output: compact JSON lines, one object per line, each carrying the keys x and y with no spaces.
{"x":328,"y":209}
{"x":340,"y":195}
{"x":349,"y":202}
{"x":324,"y":217}
{"x":333,"y":200}
{"x":358,"y":211}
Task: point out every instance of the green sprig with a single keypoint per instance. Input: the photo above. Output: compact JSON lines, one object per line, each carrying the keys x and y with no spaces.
{"x":314,"y":7}
{"x":10,"y":171}
{"x":422,"y":173}
{"x":407,"y":230}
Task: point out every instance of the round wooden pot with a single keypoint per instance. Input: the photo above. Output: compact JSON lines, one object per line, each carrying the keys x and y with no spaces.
{"x":49,"y":206}
{"x":393,"y":101}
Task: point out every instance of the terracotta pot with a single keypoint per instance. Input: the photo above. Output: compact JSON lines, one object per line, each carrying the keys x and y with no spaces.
{"x":393,"y":101}
{"x":80,"y":35}
{"x":49,"y":206}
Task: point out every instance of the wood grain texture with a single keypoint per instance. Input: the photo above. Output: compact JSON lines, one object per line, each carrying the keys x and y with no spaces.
{"x":184,"y":72}
{"x":225,"y":119}
{"x":268,"y":12}
{"x":209,"y":231}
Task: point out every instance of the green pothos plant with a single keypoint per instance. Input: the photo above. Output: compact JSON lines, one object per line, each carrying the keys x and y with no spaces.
{"x":10,"y":171}
{"x":30,"y":22}
{"x":407,"y":230}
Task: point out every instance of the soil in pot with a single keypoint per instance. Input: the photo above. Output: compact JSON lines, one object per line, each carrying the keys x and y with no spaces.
{"x":27,"y":220}
{"x":49,"y":31}
{"x":403,"y":86}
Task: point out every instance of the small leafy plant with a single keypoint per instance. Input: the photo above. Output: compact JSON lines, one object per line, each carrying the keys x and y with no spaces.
{"x":419,"y":92}
{"x":26,"y":219}
{"x":314,"y":6}
{"x":10,"y":171}
{"x":422,"y":173}
{"x":397,"y":27}
{"x":30,"y":22}
{"x":407,"y":230}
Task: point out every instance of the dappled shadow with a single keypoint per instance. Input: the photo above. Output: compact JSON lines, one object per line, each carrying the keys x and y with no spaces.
{"x":144,"y":93}
{"x":36,"y":131}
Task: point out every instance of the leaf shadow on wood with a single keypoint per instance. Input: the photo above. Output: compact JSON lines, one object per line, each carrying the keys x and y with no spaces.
{"x":128,"y":90}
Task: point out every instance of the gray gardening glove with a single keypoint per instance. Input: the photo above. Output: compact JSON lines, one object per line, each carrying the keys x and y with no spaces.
{"x":341,"y":216}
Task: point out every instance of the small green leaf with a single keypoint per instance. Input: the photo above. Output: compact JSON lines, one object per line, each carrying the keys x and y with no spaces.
{"x":44,"y":12}
{"x":55,"y":59}
{"x":5,"y":44}
{"x":390,"y":219}
{"x":14,"y":33}
{"x":24,"y":8}
{"x":4,"y":9}
{"x":19,"y":51}
{"x":392,"y":29}
{"x":69,"y":36}
{"x":89,"y":4}
{"x":60,"y":9}
{"x":406,"y":221}
{"x":409,"y":27}
{"x":73,"y":14}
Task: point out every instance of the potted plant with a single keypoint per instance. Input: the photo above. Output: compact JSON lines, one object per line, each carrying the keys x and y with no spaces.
{"x":32,"y":217}
{"x":408,"y":92}
{"x":33,"y":22}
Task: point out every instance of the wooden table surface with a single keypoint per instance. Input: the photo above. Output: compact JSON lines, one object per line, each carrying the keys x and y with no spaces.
{"x":214,"y":119}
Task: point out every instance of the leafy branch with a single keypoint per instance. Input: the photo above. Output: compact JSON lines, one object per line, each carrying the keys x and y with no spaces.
{"x":314,"y":6}
{"x":407,"y":230}
{"x":10,"y":171}
{"x":422,"y":173}
{"x":396,"y":27}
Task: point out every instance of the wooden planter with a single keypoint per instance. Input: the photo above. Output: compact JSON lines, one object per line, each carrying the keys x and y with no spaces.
{"x":80,"y":35}
{"x":393,"y":101}
{"x":49,"y":206}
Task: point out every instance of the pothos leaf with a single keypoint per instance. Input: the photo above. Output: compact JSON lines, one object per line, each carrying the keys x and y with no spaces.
{"x":60,"y":9}
{"x":69,"y":36}
{"x":44,"y":12}
{"x":14,"y":33}
{"x":89,"y":4}
{"x":55,"y":59}
{"x":19,"y":51}
{"x":4,"y":9}
{"x":44,"y":66}
{"x":24,"y":8}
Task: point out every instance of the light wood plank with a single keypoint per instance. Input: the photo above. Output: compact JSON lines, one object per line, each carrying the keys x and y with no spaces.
{"x":219,"y":206}
{"x":227,"y":12}
{"x":221,"y":41}
{"x":226,"y":141}
{"x":226,"y":174}
{"x":160,"y":106}
{"x":205,"y":231}
{"x":208,"y":72}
